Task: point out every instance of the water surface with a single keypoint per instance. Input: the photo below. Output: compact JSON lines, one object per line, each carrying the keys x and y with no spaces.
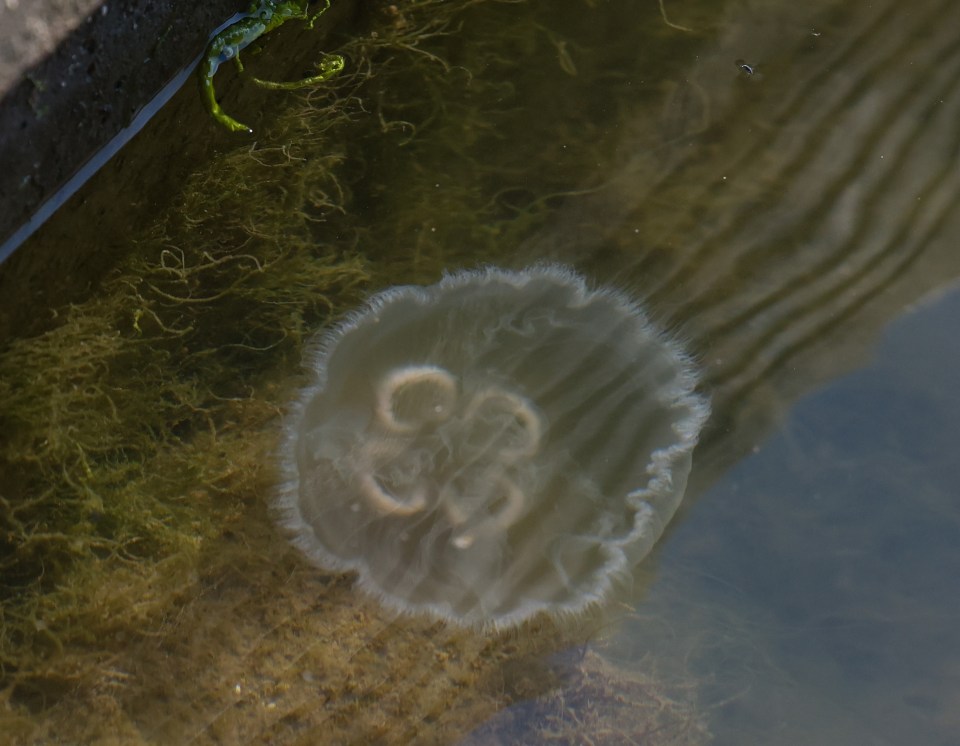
{"x":778,"y":219}
{"x":814,"y":586}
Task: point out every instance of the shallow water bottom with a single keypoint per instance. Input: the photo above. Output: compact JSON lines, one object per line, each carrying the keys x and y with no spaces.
{"x":813,"y":589}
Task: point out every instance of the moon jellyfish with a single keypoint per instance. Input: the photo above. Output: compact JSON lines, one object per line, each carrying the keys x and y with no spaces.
{"x":495,"y":445}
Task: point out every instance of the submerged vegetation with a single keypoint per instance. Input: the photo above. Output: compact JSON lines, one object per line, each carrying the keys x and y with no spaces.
{"x":138,"y":431}
{"x":262,"y":18}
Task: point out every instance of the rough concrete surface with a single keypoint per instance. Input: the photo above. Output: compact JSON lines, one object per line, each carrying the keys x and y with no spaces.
{"x":73,"y":73}
{"x":31,"y":30}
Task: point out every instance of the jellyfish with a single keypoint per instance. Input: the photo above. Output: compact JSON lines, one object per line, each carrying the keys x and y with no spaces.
{"x":496,"y":445}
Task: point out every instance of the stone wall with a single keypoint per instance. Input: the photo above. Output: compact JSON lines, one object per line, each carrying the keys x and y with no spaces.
{"x":73,"y":73}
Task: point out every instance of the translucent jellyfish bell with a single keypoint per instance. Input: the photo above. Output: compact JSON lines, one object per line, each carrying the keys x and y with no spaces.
{"x":495,"y":445}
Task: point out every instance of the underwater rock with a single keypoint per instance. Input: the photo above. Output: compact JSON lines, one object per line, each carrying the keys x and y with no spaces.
{"x":495,"y":445}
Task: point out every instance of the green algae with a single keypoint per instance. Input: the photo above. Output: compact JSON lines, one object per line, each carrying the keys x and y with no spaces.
{"x":261,"y":18}
{"x":121,"y":422}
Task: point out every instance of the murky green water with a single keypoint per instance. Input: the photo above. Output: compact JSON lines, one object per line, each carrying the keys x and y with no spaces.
{"x":776,"y":183}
